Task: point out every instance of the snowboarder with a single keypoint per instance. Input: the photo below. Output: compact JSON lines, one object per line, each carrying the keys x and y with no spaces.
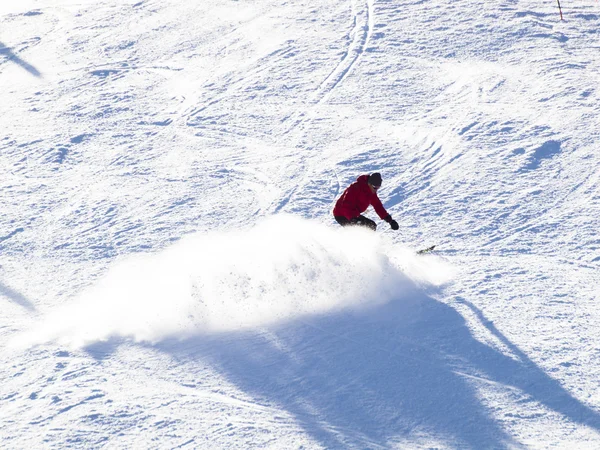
{"x":357,"y":198}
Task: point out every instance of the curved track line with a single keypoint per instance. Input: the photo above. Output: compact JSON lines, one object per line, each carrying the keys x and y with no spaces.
{"x":363,"y":29}
{"x":363,"y":18}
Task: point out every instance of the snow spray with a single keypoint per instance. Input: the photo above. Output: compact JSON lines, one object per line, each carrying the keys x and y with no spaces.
{"x":282,"y":269}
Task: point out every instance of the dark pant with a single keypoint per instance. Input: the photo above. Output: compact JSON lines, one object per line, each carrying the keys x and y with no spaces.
{"x":360,"y":221}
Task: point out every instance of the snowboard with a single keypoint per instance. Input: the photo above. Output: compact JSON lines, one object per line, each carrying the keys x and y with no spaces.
{"x":426,"y":250}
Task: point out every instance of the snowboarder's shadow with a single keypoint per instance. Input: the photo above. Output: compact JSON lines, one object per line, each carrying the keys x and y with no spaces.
{"x":406,"y":369}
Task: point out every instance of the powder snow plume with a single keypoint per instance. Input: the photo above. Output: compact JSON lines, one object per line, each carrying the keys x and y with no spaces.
{"x":283,"y":268}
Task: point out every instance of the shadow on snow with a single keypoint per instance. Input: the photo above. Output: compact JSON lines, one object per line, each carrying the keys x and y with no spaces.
{"x":11,"y":56}
{"x":399,"y":371}
{"x":16,"y":297}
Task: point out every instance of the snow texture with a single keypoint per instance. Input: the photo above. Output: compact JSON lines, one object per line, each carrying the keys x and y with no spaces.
{"x":283,"y":269}
{"x":171,"y":275}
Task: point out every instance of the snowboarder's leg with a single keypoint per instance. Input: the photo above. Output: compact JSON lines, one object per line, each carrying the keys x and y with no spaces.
{"x":360,"y":221}
{"x":342,"y":221}
{"x":365,"y":222}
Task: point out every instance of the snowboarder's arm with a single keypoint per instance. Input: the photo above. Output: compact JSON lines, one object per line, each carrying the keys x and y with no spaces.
{"x":383,"y":214}
{"x":379,"y":209}
{"x":392,"y":222}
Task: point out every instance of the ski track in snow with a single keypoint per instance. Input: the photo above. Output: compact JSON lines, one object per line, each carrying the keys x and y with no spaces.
{"x":149,"y":299}
{"x":363,"y":28}
{"x":362,"y":13}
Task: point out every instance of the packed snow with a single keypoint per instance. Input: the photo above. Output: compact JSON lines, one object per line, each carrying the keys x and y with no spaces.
{"x":171,"y":275}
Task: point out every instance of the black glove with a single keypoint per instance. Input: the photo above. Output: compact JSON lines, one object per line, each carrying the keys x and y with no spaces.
{"x":392,"y":222}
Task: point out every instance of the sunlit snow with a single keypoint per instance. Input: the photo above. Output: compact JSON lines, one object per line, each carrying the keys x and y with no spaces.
{"x":171,"y":275}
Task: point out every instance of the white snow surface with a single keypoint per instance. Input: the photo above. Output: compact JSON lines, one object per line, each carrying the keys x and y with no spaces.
{"x":171,"y":275}
{"x":283,"y":269}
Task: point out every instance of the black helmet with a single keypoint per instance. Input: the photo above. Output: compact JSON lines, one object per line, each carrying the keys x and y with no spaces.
{"x":375,"y":179}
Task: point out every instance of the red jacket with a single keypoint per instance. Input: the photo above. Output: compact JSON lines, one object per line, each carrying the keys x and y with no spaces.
{"x":357,"y":198}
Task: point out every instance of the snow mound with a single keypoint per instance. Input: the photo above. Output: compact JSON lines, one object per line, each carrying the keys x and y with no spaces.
{"x":283,"y":268}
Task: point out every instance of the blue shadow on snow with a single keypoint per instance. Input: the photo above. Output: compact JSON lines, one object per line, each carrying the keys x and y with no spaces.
{"x":546,"y":151}
{"x":402,"y":370}
{"x":4,"y":50}
{"x":16,"y":297}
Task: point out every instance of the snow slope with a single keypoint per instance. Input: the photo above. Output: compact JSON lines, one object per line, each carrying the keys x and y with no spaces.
{"x":171,"y":275}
